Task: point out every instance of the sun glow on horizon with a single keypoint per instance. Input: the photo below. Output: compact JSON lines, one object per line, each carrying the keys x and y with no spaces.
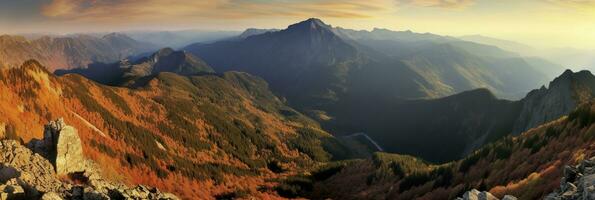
{"x":541,"y":23}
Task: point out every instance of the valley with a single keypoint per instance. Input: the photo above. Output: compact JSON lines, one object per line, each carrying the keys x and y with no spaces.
{"x":129,"y":100}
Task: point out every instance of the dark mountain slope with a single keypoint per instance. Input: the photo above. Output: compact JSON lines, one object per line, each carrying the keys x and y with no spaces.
{"x":307,"y":63}
{"x":528,"y":166}
{"x":360,"y":81}
{"x":126,"y":72}
{"x":438,"y":130}
{"x":449,"y":128}
{"x":167,"y":60}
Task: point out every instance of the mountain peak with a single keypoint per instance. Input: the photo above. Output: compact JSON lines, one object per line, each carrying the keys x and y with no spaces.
{"x":164,"y":52}
{"x":310,"y":24}
{"x":567,"y":72}
{"x":568,"y":75}
{"x":116,"y":36}
{"x":479,"y":93}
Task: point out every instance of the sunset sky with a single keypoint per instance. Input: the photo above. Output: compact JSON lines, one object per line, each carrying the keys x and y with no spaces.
{"x":542,"y":23}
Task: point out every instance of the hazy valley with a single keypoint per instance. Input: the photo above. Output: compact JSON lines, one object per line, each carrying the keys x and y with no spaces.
{"x":310,"y":111}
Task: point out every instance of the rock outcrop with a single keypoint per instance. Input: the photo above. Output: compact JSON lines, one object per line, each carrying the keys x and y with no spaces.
{"x":477,"y":195}
{"x":64,"y":141}
{"x":62,"y":146}
{"x":578,"y":182}
{"x":28,"y":175}
{"x":547,"y":104}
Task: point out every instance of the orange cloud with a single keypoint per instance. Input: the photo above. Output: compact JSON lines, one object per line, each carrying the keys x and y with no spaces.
{"x":130,"y":10}
{"x":60,"y":7}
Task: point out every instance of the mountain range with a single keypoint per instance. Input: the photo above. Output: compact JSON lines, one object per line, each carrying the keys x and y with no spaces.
{"x":69,"y":52}
{"x":126,"y":72}
{"x":311,"y":111}
{"x":571,"y":58}
{"x":178,"y":39}
{"x":352,"y":81}
{"x":376,"y":82}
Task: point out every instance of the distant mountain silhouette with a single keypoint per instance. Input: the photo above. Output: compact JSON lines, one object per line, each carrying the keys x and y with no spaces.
{"x":69,"y":52}
{"x":254,"y":31}
{"x":179,"y":39}
{"x":126,"y":72}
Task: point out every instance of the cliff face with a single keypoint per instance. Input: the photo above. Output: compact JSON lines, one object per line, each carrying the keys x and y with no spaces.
{"x":547,"y":104}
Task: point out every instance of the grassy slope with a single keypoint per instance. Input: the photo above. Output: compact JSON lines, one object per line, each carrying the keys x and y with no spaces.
{"x":177,"y":133}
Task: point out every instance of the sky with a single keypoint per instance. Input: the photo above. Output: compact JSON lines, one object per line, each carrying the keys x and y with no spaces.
{"x":540,"y":23}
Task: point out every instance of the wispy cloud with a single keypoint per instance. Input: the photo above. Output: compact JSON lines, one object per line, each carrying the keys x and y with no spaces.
{"x":438,"y":3}
{"x":147,"y":10}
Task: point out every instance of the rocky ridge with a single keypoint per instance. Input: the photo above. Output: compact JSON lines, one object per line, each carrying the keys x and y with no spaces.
{"x":578,"y":182}
{"x":33,"y":174}
{"x":547,"y":104}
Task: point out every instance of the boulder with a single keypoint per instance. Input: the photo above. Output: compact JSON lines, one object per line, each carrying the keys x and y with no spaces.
{"x":587,"y":184}
{"x":471,"y":195}
{"x":509,"y":197}
{"x":51,"y":196}
{"x":477,"y":195}
{"x":64,"y":147}
{"x":486,"y":196}
{"x":577,"y":183}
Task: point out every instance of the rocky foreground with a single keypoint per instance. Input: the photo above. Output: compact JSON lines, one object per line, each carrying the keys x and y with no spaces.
{"x":578,"y":183}
{"x":54,"y":168}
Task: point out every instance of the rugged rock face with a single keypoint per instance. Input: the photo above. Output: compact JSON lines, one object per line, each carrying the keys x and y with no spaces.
{"x":578,"y":182}
{"x":477,"y":195}
{"x":66,"y":143}
{"x":62,"y":146}
{"x":562,"y":96}
{"x":28,"y":175}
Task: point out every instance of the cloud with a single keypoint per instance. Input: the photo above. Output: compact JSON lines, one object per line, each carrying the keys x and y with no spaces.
{"x":161,"y":10}
{"x":60,"y":7}
{"x":438,"y":3}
